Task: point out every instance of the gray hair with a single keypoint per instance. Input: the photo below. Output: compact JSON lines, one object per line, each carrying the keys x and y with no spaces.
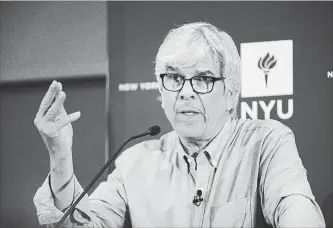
{"x":216,"y":41}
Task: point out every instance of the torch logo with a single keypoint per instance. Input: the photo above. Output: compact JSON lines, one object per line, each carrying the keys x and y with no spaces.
{"x":267,"y":68}
{"x":266,"y":64}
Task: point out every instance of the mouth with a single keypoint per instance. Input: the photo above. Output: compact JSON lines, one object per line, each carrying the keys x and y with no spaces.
{"x":189,"y":112}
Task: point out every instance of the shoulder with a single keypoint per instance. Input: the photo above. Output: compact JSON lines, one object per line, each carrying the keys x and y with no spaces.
{"x":264,"y":127}
{"x":146,"y":151}
{"x":266,"y":138}
{"x":263,"y":132}
{"x":270,"y":134}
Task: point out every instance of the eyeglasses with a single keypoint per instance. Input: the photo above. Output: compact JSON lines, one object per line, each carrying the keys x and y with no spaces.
{"x":200,"y":84}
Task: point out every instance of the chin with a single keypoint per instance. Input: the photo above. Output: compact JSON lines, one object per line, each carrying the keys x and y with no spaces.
{"x":189,"y":131}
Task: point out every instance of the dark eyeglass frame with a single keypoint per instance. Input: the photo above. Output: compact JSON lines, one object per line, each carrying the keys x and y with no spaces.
{"x":214,"y":79}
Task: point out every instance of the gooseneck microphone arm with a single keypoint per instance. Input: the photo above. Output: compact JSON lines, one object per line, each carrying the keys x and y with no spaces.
{"x":154,"y":130}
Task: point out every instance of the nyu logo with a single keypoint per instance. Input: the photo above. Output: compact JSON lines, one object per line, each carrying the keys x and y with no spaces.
{"x":267,"y":70}
{"x":266,"y":64}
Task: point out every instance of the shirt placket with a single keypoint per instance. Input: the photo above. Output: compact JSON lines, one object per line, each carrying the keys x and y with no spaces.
{"x":202,"y":178}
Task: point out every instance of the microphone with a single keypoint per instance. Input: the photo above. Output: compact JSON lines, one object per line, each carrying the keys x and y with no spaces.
{"x":197,"y":199}
{"x":152,"y":131}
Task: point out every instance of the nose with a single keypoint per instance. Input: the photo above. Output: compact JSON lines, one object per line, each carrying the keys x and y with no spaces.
{"x":187,"y":91}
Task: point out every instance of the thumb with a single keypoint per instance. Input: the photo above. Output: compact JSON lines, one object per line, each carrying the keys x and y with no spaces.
{"x":72,"y":117}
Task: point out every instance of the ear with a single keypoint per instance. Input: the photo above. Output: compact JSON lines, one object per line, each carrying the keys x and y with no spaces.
{"x":162,"y":99}
{"x":230,"y":100}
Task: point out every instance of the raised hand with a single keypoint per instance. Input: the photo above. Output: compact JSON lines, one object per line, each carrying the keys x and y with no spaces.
{"x":54,"y":124}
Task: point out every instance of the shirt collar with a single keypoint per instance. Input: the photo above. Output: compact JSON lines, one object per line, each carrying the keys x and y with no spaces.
{"x":214,"y":147}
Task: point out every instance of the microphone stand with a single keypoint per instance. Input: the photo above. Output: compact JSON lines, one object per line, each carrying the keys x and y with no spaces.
{"x":72,"y":208}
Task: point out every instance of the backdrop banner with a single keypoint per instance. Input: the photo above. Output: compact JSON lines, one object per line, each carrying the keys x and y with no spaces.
{"x":286,"y":53}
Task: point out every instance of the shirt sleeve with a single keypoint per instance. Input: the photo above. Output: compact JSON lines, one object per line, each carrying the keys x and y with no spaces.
{"x":105,"y":207}
{"x":286,"y":196}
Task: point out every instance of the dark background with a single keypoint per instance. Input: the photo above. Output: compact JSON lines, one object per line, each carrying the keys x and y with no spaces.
{"x":137,"y":29}
{"x":24,"y":157}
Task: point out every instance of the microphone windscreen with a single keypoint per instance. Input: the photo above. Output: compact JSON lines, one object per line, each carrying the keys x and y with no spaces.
{"x":154,"y":130}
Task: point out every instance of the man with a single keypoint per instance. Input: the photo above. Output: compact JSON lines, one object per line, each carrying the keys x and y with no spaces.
{"x":208,"y":172}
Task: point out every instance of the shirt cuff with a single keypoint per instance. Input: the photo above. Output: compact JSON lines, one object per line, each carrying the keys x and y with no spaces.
{"x":47,"y":212}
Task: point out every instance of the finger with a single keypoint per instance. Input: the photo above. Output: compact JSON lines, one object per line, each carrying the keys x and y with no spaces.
{"x":60,"y":86}
{"x":71,"y":118}
{"x":54,"y":109}
{"x":58,"y":92}
{"x":48,"y":98}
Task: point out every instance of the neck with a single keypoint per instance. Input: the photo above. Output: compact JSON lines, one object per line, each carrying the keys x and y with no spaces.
{"x":193,"y":145}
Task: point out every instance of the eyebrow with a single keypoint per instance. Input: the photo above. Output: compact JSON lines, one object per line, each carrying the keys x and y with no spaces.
{"x":168,"y":67}
{"x":204,"y":73}
{"x":198,"y":73}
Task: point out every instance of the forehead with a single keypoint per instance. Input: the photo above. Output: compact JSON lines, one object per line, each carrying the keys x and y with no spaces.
{"x":194,"y":63}
{"x":190,"y":57}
